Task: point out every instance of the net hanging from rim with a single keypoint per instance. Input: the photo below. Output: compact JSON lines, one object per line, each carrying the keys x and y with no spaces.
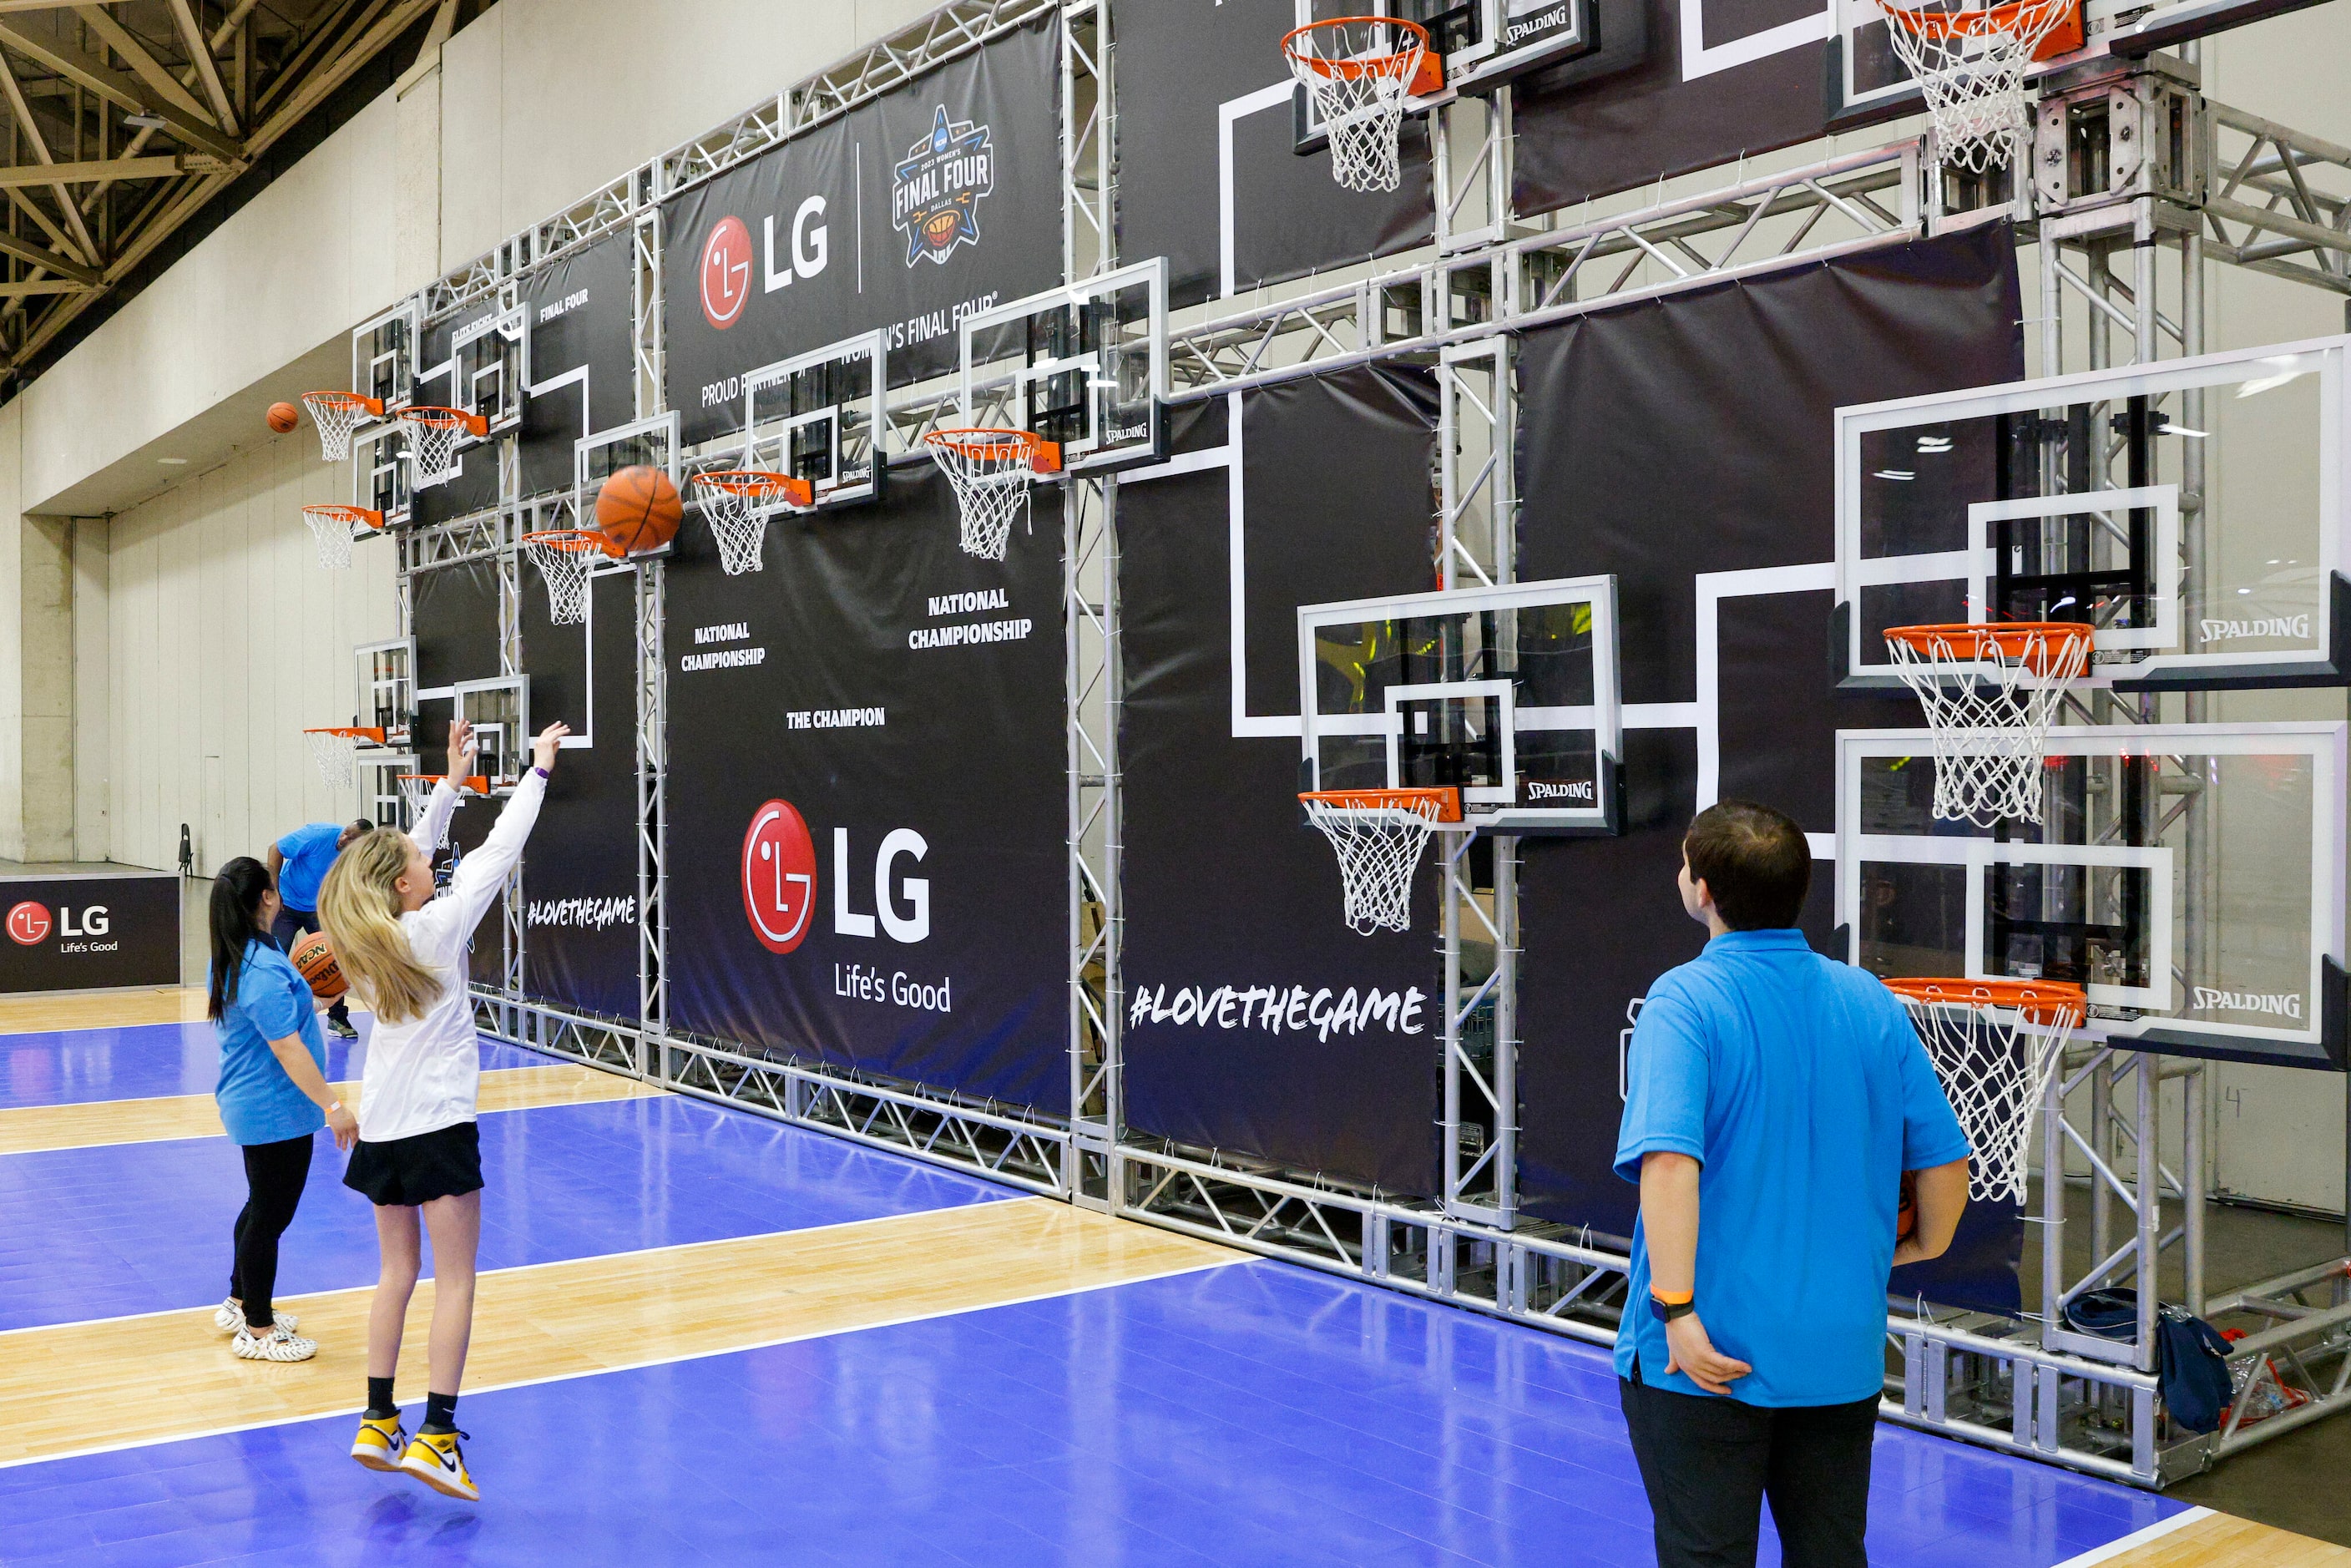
{"x":735,"y":503}
{"x":433,"y":434}
{"x":1994,"y":1044}
{"x":1357,"y":72}
{"x":1990,"y":692}
{"x":336,"y":414}
{"x":991,"y":472}
{"x":335,"y":528}
{"x":1970,"y":65}
{"x":336,"y":751}
{"x":416,"y":792}
{"x":564,"y":557}
{"x":1379,"y":835}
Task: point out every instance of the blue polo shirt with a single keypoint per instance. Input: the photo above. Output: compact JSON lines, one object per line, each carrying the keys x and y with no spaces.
{"x":1801,"y":1088}
{"x":258,"y":1103}
{"x":308,"y":850}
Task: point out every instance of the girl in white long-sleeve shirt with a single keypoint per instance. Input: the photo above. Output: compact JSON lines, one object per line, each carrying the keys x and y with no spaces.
{"x":419,"y":1151}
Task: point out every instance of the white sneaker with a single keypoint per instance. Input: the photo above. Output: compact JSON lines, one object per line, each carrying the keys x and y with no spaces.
{"x":272,"y":1343}
{"x":230,"y":1319}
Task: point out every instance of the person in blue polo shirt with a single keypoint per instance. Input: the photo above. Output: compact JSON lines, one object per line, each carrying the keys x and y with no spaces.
{"x":297,"y":864}
{"x":1775,"y":1100}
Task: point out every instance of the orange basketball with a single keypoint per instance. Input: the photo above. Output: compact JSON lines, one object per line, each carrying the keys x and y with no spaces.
{"x":283,"y":417}
{"x":638,"y":509}
{"x":314,"y":961}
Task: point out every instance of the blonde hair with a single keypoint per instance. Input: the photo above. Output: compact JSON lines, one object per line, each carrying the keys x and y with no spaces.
{"x":360,"y":908}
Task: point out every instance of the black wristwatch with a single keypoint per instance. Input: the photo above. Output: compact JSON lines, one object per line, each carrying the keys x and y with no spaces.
{"x":1666,"y":1311}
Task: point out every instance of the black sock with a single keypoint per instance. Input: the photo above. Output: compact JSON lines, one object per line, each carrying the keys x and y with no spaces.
{"x":440,"y":1414}
{"x":380,"y":1405}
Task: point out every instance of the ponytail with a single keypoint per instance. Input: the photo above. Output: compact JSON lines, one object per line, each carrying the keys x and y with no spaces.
{"x":234,"y":917}
{"x":360,"y":908}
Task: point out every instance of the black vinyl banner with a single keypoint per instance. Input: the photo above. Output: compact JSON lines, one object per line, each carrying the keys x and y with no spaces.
{"x":1711,"y":82}
{"x":582,"y":357}
{"x":1208,"y":143}
{"x":907,"y":214}
{"x":867,"y":817}
{"x":89,"y":933}
{"x":453,"y":616}
{"x":580,"y":873}
{"x":1686,"y":445}
{"x":1256,"y":1020}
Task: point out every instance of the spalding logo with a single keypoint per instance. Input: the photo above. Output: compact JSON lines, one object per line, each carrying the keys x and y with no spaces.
{"x":778,"y":876}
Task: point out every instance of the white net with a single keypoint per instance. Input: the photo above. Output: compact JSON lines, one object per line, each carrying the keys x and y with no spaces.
{"x":1970,"y":64}
{"x":735,"y":505}
{"x":433,"y":445}
{"x":1379,"y":841}
{"x":1994,"y":1050}
{"x":335,"y":751}
{"x":331,"y":527}
{"x":990,"y":472}
{"x":1990,"y":693}
{"x":335,"y":415}
{"x":415,"y":793}
{"x":563,"y":560}
{"x":1358,"y":71}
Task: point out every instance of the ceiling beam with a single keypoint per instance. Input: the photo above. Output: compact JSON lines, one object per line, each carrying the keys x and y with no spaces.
{"x":150,"y":168}
{"x":117,"y":88}
{"x":192,"y":38}
{"x":57,"y":264}
{"x":33,"y":137}
{"x":47,"y":286}
{"x":167,"y":94}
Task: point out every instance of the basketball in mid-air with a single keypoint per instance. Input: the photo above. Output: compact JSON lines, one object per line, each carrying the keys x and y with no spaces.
{"x":283,"y":417}
{"x":314,"y":961}
{"x":638,"y":509}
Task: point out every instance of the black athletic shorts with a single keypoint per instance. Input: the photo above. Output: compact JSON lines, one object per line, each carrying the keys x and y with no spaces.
{"x":443,"y":1163}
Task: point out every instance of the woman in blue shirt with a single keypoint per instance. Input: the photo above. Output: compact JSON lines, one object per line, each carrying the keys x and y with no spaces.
{"x":273,"y":1097}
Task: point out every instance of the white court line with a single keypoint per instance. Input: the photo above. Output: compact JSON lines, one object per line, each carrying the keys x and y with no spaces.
{"x":2136,"y":1539}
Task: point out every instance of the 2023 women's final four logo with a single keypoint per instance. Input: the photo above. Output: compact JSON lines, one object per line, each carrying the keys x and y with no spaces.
{"x":935,"y":199}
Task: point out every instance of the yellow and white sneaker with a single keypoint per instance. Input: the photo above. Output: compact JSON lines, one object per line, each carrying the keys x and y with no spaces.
{"x":230,"y":1319}
{"x":435,"y":1460}
{"x":379,"y":1443}
{"x":272,"y":1343}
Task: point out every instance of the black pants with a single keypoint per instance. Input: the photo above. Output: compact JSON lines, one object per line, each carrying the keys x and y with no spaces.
{"x":275,"y":1175}
{"x":1708,"y":1463}
{"x":292,"y":924}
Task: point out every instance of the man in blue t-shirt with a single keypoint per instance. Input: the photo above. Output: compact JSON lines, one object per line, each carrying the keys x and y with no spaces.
{"x":1775,"y":1100}
{"x":299,"y":862}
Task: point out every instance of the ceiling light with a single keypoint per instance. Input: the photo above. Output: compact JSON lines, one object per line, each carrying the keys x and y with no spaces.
{"x":172,"y":462}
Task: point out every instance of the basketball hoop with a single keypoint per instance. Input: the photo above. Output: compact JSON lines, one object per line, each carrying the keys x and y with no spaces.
{"x":337,"y":415}
{"x":335,"y":528}
{"x":991,"y":471}
{"x":1990,"y":692}
{"x":433,"y":435}
{"x":416,"y":790}
{"x":563,"y":556}
{"x":1379,"y":835}
{"x":1970,"y":65}
{"x":1994,"y":1044}
{"x":1358,"y":71}
{"x":734,"y":502}
{"x":336,"y":751}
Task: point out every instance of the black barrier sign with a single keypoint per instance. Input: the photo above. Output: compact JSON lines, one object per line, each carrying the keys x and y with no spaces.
{"x":583,"y":361}
{"x":907,"y":214}
{"x":866,"y":812}
{"x":85,"y":933}
{"x":1255,"y":1020}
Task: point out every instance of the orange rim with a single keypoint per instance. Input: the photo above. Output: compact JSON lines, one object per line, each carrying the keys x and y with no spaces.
{"x":374,"y":735}
{"x":1446,"y":798}
{"x":988,"y":442}
{"x":2042,"y":1001}
{"x":441,"y":418}
{"x":574,"y":542}
{"x":347,"y":515}
{"x":343,"y":400}
{"x":1365,"y":65}
{"x":2042,"y":644}
{"x":474,"y":782}
{"x":1940,"y":24}
{"x":757,"y":482}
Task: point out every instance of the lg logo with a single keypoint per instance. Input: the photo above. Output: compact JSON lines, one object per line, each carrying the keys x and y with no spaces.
{"x":780,"y":874}
{"x":727,"y":260}
{"x":29,"y":922}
